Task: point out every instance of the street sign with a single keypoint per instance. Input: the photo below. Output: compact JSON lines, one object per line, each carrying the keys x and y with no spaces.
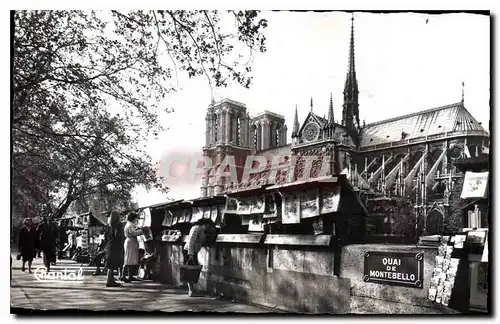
{"x":394,"y":268}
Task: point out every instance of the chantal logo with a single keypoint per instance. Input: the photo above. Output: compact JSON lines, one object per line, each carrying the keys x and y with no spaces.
{"x":41,"y":274}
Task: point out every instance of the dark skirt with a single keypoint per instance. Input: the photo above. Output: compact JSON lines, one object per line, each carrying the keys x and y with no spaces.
{"x":49,"y":254}
{"x":114,"y":248}
{"x":114,"y":263}
{"x":114,"y":255}
{"x":27,"y":244}
{"x":28,"y":254}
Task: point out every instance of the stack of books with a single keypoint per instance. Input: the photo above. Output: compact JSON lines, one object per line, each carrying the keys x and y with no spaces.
{"x":432,"y":240}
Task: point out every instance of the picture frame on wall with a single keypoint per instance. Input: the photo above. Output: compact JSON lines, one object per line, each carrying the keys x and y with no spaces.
{"x":244,"y":206}
{"x":309,"y":203}
{"x":330,"y":199}
{"x":318,"y":227}
{"x":206,"y":212}
{"x":258,"y":205}
{"x":231,"y":205}
{"x":256,"y":223}
{"x":270,"y":204}
{"x":187,"y":215}
{"x":197,"y":214}
{"x":291,"y":209}
{"x":214,"y":214}
{"x":167,"y":219}
{"x":175,"y":217}
{"x":180,"y":218}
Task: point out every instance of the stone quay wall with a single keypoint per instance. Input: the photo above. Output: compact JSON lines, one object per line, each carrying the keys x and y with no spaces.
{"x":301,"y":278}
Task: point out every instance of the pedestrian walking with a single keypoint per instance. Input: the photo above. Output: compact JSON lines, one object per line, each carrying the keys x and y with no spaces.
{"x":72,"y":243}
{"x":27,"y":242}
{"x":38,"y":244}
{"x":196,"y":238}
{"x":63,"y":241}
{"x":48,"y":239}
{"x":101,"y":254}
{"x":131,"y":247}
{"x":114,"y":248}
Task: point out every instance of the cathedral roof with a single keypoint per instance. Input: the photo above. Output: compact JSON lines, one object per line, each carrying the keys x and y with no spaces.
{"x":281,"y":151}
{"x":321,"y":119}
{"x":450,"y":118}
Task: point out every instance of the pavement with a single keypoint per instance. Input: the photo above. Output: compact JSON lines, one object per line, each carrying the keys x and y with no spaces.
{"x":89,"y":293}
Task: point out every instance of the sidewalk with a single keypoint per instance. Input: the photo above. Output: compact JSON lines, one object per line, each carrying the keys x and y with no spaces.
{"x":91,"y":294}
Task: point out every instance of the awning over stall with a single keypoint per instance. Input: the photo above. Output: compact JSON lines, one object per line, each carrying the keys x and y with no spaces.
{"x":325,"y":181}
{"x":98,"y":220}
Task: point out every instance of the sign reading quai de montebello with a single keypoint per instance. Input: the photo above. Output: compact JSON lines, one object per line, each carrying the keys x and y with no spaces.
{"x":394,"y":268}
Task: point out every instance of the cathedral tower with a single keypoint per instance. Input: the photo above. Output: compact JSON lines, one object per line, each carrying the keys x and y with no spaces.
{"x":227,"y":134}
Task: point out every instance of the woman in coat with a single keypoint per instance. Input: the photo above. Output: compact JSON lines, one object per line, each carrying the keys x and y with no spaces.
{"x":131,"y":246}
{"x":114,"y":248}
{"x":27,"y":242}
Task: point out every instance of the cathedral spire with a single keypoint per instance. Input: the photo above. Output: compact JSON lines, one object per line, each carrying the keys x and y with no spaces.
{"x":311,"y":104}
{"x":352,"y":68}
{"x":463,"y":91}
{"x":331,"y":119}
{"x":295,"y":130}
{"x":350,"y":112}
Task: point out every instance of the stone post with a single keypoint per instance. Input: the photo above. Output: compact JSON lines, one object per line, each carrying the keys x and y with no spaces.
{"x":251,"y":137}
{"x":223,"y":127}
{"x":237,"y":129}
{"x":207,"y":130}
{"x":249,"y":131}
{"x":210,"y":130}
{"x":258,"y":145}
{"x":228,"y":125}
{"x":265,"y":134}
{"x":243,"y":131}
{"x":274,"y":140}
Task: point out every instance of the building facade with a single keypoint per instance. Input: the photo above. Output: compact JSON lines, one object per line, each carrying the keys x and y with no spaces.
{"x":402,"y":168}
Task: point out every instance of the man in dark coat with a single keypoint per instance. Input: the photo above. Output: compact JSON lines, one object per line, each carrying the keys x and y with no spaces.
{"x":114,"y":248}
{"x":48,"y":240}
{"x":27,"y":240}
{"x":38,"y":244}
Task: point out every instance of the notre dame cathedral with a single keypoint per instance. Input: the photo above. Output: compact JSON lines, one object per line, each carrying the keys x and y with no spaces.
{"x":403,"y":168}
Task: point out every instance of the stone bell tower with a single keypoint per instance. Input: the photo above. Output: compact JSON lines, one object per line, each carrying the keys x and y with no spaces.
{"x":227,"y":134}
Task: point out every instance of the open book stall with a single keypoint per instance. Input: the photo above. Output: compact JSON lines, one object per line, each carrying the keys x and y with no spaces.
{"x":453,"y":282}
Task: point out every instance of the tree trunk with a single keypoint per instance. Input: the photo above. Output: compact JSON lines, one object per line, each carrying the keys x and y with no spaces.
{"x":62,"y":210}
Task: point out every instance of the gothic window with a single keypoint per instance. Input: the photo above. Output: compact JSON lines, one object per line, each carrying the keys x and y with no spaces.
{"x":216,"y":128}
{"x":238,"y":130}
{"x":455,"y":152}
{"x":255,"y":130}
{"x":271,"y":139}
{"x":229,"y":125}
{"x":277,"y":134}
{"x":434,"y":222}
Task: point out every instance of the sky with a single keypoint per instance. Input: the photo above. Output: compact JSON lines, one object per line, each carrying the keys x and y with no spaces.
{"x":405,"y":62}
